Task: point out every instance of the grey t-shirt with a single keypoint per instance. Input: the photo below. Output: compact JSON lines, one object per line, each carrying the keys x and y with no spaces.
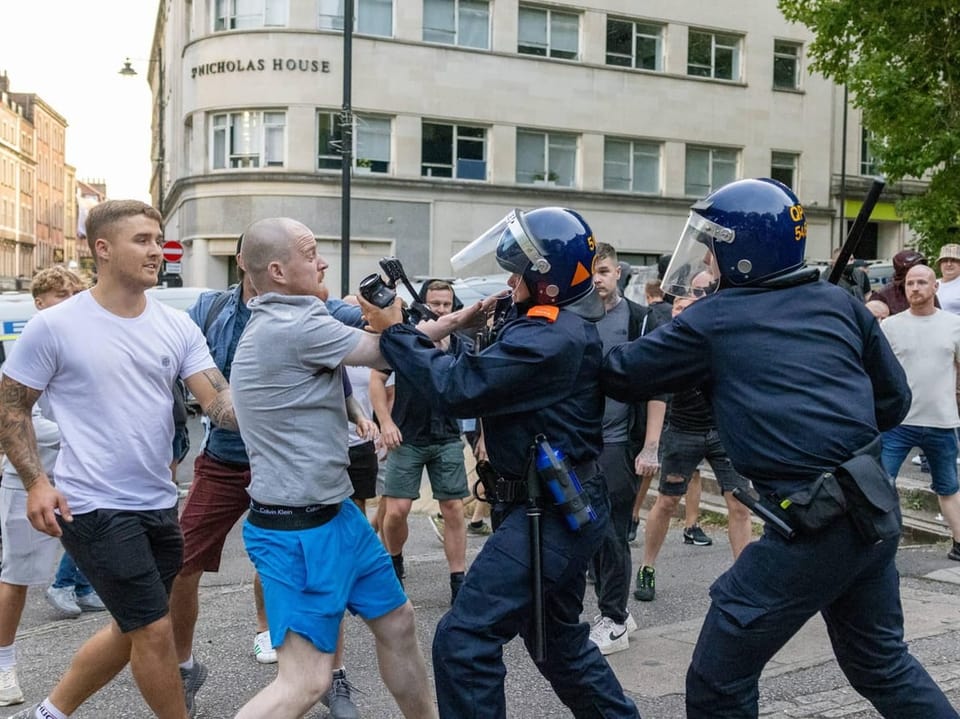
{"x":288,"y":396}
{"x":616,"y":415}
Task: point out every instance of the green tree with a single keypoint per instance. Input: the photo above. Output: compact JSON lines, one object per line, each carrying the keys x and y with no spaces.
{"x":901,"y":63}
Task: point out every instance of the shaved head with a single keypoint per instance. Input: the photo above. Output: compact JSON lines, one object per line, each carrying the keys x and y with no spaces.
{"x":918,"y":270}
{"x":266,"y":241}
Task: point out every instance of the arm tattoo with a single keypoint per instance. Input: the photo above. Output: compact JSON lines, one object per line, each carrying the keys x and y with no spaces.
{"x":17,"y":437}
{"x":220,"y":410}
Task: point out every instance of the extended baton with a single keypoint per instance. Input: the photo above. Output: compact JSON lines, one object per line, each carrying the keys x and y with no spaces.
{"x":856,"y":232}
{"x":534,"y":515}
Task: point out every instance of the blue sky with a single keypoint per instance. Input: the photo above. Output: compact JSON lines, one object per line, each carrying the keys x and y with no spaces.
{"x":69,"y":53}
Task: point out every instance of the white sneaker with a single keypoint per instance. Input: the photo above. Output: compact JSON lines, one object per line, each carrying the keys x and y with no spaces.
{"x":609,"y":636}
{"x":916,"y":460}
{"x":10,"y":688}
{"x":91,"y":603}
{"x":630,"y":624}
{"x":263,"y":648}
{"x":64,"y":600}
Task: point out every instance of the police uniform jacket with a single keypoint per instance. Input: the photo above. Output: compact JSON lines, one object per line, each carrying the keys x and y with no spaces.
{"x":799,"y":378}
{"x":538,"y":377}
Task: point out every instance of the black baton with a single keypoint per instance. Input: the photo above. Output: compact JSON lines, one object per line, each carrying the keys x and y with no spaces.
{"x":764,"y":512}
{"x":534,"y":515}
{"x":856,"y":232}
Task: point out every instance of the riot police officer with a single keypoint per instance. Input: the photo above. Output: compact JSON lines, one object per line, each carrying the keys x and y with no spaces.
{"x":801,"y":380}
{"x":540,"y":376}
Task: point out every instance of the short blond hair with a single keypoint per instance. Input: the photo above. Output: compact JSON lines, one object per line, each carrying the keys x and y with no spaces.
{"x":54,"y":279}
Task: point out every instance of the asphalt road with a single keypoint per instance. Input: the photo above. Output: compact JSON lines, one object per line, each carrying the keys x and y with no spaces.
{"x":803,"y":682}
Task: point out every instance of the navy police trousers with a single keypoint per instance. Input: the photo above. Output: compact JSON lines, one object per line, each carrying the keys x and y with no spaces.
{"x":774,"y":588}
{"x":494,"y":605}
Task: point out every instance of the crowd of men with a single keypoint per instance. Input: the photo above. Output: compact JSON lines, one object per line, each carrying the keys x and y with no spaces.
{"x":290,"y":444}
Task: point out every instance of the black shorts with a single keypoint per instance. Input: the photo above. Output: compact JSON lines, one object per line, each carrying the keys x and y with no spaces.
{"x":130,"y":557}
{"x":363,"y":470}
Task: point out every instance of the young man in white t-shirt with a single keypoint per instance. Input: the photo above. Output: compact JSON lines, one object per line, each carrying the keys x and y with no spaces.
{"x":106,"y":361}
{"x":926,"y":340}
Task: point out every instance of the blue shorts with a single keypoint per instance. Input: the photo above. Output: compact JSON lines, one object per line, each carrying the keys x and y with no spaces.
{"x":310,"y":576}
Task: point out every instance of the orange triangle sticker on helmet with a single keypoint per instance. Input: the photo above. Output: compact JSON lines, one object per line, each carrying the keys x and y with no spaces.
{"x":580,"y":274}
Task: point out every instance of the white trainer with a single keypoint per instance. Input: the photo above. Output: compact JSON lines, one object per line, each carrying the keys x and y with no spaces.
{"x":10,"y":688}
{"x":64,"y":600}
{"x":631,"y":624}
{"x":609,"y":636}
{"x":263,"y":648}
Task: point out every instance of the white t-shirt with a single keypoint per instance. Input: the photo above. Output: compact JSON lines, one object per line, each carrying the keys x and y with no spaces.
{"x":949,"y":295}
{"x":928,"y":347}
{"x":109,"y":380}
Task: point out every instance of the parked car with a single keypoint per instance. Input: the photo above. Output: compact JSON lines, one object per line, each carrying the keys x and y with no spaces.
{"x":181,"y":298}
{"x":880,"y":273}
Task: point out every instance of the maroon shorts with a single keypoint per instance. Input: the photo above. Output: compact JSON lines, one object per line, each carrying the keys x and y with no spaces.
{"x":217,"y":499}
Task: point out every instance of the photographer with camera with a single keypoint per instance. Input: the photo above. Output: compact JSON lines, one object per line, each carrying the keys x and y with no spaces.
{"x":539,"y":376}
{"x":419,"y":434}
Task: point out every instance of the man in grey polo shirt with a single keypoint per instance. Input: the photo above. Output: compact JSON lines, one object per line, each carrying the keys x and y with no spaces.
{"x":315,"y":552}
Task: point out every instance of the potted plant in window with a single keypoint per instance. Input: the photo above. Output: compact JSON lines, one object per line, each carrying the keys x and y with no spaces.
{"x":547,"y":179}
{"x":364,"y":166}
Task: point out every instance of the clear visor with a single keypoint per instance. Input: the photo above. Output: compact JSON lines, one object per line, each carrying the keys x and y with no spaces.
{"x":693,"y":270}
{"x":508,"y":244}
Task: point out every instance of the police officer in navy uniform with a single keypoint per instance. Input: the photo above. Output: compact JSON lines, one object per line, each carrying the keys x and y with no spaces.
{"x":802,"y":381}
{"x":541,"y":375}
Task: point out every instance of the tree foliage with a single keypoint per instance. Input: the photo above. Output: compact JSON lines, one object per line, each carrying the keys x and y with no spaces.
{"x":901,"y":63}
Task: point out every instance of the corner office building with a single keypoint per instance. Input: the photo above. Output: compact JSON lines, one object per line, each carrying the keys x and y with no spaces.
{"x":464,"y":109}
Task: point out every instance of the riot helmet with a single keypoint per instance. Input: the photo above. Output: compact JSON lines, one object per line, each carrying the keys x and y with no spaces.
{"x":551,"y":248}
{"x":745,"y":234}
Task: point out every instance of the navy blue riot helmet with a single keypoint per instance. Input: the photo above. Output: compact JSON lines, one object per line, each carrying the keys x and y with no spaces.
{"x":552,"y":249}
{"x":755,"y":231}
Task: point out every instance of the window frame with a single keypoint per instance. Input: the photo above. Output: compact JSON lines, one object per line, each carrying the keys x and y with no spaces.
{"x":456,"y":34}
{"x":778,"y":161}
{"x":634,"y":145}
{"x":369,"y":164}
{"x":549,"y":50}
{"x":634,"y":38}
{"x":426,"y":168}
{"x":712,"y":184}
{"x":229,"y":18}
{"x":781,"y":55}
{"x":361,"y":14}
{"x":736,"y":53}
{"x":547,"y":174}
{"x":264,"y":125}
{"x":868,"y":162}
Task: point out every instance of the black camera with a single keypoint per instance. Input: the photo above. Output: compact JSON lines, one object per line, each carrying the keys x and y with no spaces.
{"x":375,"y":291}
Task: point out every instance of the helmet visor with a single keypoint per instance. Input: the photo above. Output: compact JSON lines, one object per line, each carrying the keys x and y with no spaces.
{"x":508,"y":242}
{"x":693,"y":270}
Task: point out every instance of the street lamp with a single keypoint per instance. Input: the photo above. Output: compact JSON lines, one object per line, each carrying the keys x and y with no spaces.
{"x":128,"y":71}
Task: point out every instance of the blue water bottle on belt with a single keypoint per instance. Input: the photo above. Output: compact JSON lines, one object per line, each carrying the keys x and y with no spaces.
{"x":557,"y":474}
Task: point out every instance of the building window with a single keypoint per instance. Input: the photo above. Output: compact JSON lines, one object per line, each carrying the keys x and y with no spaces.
{"x":868,"y":163}
{"x":456,"y":151}
{"x":330,"y":141}
{"x":711,"y":54}
{"x":783,"y":167}
{"x":371,"y":143}
{"x":786,"y":65}
{"x":708,"y":168}
{"x":457,"y":22}
{"x":372,"y":17}
{"x":248,"y":139}
{"x":241,"y":14}
{"x":631,"y":166}
{"x":634,"y":44}
{"x":546,"y":157}
{"x":548,"y":33}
